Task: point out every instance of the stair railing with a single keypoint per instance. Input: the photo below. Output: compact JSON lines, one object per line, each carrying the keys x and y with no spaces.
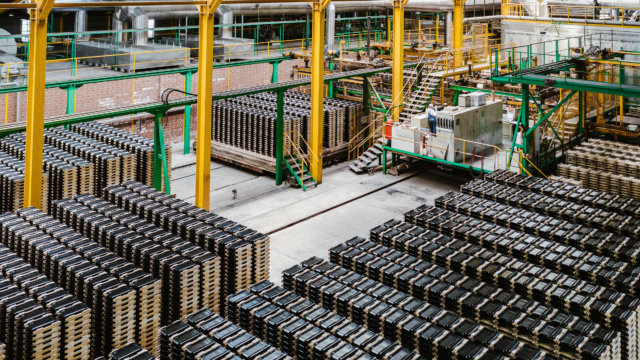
{"x":520,"y":163}
{"x":394,"y":104}
{"x":298,"y":156}
{"x":425,"y":81}
{"x":352,"y":143}
{"x":311,"y":153}
{"x":376,"y":132}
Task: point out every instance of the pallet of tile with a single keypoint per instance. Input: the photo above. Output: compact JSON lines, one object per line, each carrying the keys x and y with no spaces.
{"x":130,"y":352}
{"x":208,"y":264}
{"x":12,"y":181}
{"x":141,"y":148}
{"x":85,"y":168}
{"x":74,"y":318}
{"x":594,"y":198}
{"x":244,"y":253}
{"x":113,"y":304}
{"x":477,"y":232}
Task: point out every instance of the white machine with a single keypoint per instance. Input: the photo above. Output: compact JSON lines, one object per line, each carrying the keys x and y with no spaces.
{"x":420,"y":121}
{"x":478,"y":124}
{"x":406,"y":139}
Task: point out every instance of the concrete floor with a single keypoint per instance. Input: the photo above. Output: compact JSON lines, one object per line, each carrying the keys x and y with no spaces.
{"x":305,"y":224}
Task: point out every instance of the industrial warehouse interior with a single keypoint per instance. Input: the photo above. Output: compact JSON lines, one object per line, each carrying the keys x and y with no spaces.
{"x":322,"y":180}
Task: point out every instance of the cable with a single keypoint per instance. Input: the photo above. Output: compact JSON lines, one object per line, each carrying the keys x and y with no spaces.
{"x":165,"y":100}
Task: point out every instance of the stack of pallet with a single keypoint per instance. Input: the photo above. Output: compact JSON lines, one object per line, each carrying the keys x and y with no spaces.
{"x":243,"y":252}
{"x":246,"y":125}
{"x":30,"y":330}
{"x":132,"y":351}
{"x":593,"y":198}
{"x":124,"y":301}
{"x":521,"y":254}
{"x":12,"y":184}
{"x":566,"y":180}
{"x":15,"y":144}
{"x":194,"y":282}
{"x":305,"y":329}
{"x":107,"y":167}
{"x":112,"y":305}
{"x":65,"y":170}
{"x":206,"y":335}
{"x":601,"y":180}
{"x":503,"y":200}
{"x":334,"y":118}
{"x":346,"y":118}
{"x":141,"y":148}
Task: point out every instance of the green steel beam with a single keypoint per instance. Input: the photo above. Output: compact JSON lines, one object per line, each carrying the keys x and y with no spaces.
{"x":470,"y":89}
{"x":546,"y":116}
{"x":274,"y":73}
{"x":427,"y":158}
{"x":155,"y":107}
{"x":571,"y":84}
{"x":524,"y":109}
{"x":369,"y":85}
{"x":280,"y":137}
{"x":186,"y":131}
{"x":159,"y":155}
{"x":542,"y":117}
{"x":185,"y":70}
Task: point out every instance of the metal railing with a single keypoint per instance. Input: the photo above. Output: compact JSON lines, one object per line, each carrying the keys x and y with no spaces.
{"x":131,"y":61}
{"x":294,"y":150}
{"x":571,"y":14}
{"x":435,"y":65}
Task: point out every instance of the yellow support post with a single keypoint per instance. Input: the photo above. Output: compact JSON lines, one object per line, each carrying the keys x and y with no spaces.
{"x":205,"y":78}
{"x":458,"y":31}
{"x":398,"y":57}
{"x":317,"y":83}
{"x":621,"y":110}
{"x":35,"y":99}
{"x":600,"y":120}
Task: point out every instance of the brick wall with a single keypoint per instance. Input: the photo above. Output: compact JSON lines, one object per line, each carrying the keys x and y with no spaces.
{"x":113,"y":94}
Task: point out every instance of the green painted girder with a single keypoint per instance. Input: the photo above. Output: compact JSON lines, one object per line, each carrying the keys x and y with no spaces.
{"x":572,"y":84}
{"x":499,"y":93}
{"x":185,"y":70}
{"x":431,"y":159}
{"x":153,"y":107}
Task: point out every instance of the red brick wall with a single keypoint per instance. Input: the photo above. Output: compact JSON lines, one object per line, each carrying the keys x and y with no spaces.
{"x":113,"y":94}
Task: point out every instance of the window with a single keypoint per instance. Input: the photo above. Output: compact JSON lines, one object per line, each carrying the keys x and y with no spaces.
{"x":152,"y":25}
{"x":24,"y":29}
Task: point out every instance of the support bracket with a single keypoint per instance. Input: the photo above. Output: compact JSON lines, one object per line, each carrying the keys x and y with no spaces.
{"x":548,"y":114}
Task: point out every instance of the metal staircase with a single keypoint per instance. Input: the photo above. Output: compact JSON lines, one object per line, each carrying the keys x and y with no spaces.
{"x":371,"y":157}
{"x":297,"y":162}
{"x":301,"y":177}
{"x":428,"y":92}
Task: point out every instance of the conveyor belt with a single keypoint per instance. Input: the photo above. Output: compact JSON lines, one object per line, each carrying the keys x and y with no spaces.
{"x":7,"y":129}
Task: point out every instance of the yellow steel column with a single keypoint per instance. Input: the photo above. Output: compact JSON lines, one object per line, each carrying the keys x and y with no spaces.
{"x":398,"y":57}
{"x":205,"y":74}
{"x":600,"y":120}
{"x":458,"y":31}
{"x":317,"y":84}
{"x":35,"y":101}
